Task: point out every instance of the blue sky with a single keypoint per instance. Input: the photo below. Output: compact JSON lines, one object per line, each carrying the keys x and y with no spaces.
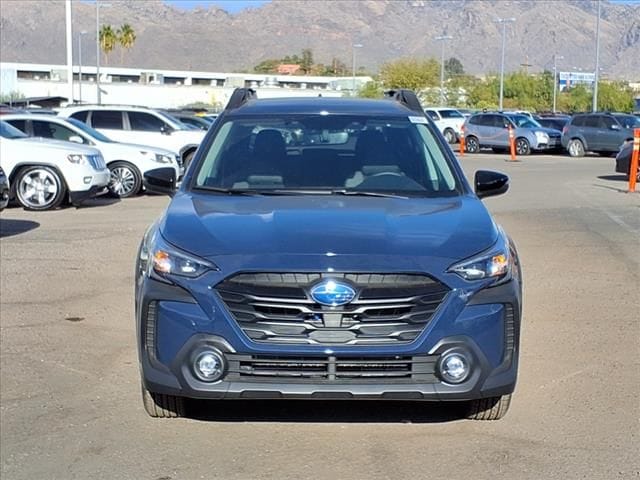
{"x":231,"y":6}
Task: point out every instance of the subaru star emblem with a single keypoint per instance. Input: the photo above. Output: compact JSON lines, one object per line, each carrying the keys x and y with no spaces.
{"x":332,"y":293}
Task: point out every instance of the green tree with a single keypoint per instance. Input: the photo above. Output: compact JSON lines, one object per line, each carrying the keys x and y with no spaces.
{"x":306,"y":62}
{"x":371,"y":90}
{"x":615,"y":97}
{"x":108,"y":40}
{"x":453,"y":67}
{"x":410,"y":73}
{"x":126,"y":38}
{"x":575,"y":99}
{"x":268,"y":66}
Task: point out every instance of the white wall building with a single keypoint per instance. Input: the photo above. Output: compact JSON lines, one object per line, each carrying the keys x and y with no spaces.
{"x":161,"y":88}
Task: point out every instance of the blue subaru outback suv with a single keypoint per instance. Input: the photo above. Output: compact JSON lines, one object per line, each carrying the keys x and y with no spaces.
{"x":326,"y":248}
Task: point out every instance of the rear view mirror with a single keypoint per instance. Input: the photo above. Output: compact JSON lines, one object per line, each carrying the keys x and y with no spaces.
{"x":76,"y":139}
{"x":489,"y":184}
{"x":166,"y":129}
{"x":161,"y":181}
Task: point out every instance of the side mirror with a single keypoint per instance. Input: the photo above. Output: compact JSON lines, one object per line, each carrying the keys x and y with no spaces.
{"x":161,"y":181}
{"x":615,"y":127}
{"x":488,"y":183}
{"x":166,"y":129}
{"x":76,"y":139}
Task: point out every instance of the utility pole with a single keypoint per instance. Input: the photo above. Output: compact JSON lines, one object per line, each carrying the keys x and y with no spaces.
{"x":504,"y":22}
{"x":69,"y":41}
{"x":526,"y":65}
{"x":442,"y":39}
{"x":353,"y":67}
{"x":597,"y":73}
{"x":555,"y":78}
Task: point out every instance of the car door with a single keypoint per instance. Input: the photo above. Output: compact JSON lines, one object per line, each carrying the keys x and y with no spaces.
{"x":482,"y":128}
{"x":150,"y":130}
{"x":593,"y":132}
{"x":610,"y":134}
{"x":500,"y":131}
{"x":110,"y":123}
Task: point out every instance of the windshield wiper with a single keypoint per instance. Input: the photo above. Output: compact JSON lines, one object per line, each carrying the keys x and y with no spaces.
{"x":245,"y":191}
{"x":364,"y":193}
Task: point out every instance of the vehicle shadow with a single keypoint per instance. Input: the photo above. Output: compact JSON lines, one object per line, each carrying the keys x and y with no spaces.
{"x":319,"y":411}
{"x":11,"y":227}
{"x":616,"y":178}
{"x":101,"y":201}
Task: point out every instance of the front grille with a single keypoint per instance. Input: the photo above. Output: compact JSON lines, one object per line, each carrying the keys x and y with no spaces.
{"x":396,"y":369}
{"x":150,"y":329}
{"x":509,"y":331}
{"x":277,"y":308}
{"x":97,"y":162}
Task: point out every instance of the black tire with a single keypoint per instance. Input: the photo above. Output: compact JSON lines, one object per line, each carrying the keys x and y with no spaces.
{"x":159,"y":405}
{"x":187,"y":159}
{"x":450,"y":136}
{"x":575,"y":147}
{"x":51,"y":190}
{"x":125,"y":180}
{"x":471,"y":145}
{"x":522,"y":146}
{"x":493,"y":408}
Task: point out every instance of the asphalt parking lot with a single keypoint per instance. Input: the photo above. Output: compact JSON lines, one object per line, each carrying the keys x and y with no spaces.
{"x":69,"y":384}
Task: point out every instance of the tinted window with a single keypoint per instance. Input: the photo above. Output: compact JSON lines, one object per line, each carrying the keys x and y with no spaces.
{"x":82,"y":116}
{"x":628,"y":121}
{"x":107,"y":119}
{"x":592,"y":121}
{"x":51,"y":130}
{"x":303,"y":152}
{"x":451,"y":114}
{"x":478,"y":120}
{"x":8,"y":131}
{"x":578,"y":121}
{"x":607,"y":122}
{"x":434,"y":116}
{"x":497,"y":121}
{"x":19,"y":124}
{"x":145,"y":122}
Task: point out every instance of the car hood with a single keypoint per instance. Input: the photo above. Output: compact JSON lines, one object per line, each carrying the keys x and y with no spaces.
{"x":135,"y":148}
{"x":70,"y":147}
{"x":211,"y":225}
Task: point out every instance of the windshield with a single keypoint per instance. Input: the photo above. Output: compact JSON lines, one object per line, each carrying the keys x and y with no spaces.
{"x":629,"y":121}
{"x":451,"y":114}
{"x":9,"y":131}
{"x":89,"y":131}
{"x":173,"y":121}
{"x":522,"y":121}
{"x":327,"y":154}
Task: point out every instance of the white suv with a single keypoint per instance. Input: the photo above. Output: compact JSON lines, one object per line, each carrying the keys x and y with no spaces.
{"x":127,"y":162}
{"x":43,"y":172}
{"x":139,"y":125}
{"x":449,"y":121}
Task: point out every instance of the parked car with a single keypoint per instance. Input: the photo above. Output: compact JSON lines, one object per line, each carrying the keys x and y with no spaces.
{"x":623,"y":160}
{"x":127,"y":162}
{"x":196,"y":121}
{"x":352,"y":260}
{"x":556,"y":122}
{"x":599,"y":132}
{"x":4,"y":190}
{"x":44,"y":173}
{"x":449,"y":121}
{"x":491,"y":130}
{"x":139,"y":125}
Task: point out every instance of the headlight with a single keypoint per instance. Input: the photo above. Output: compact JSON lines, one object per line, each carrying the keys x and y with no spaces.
{"x":495,"y":263}
{"x":77,"y":158}
{"x":160,"y":158}
{"x":163,"y":259}
{"x":542,"y":137}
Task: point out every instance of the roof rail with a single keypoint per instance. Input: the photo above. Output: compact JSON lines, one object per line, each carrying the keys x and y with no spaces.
{"x":406,"y":97}
{"x":239,"y":97}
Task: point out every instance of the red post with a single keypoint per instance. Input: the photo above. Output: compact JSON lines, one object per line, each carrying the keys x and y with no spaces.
{"x":462,"y":141}
{"x":512,"y":144}
{"x":633,"y":168}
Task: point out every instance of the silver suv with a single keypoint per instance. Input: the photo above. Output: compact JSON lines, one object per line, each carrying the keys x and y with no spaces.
{"x":491,"y":130}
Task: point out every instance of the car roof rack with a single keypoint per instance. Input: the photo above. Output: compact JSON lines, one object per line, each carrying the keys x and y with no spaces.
{"x":240,"y":96}
{"x":406,"y":97}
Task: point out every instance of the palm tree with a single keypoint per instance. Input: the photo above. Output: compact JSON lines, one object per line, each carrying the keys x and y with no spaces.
{"x":108,"y":41}
{"x":126,"y":38}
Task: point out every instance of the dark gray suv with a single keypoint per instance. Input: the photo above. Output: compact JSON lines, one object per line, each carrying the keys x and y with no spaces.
{"x":602,"y":133}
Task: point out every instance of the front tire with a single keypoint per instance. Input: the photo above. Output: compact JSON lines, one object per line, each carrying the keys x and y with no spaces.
{"x":39,"y":188}
{"x":450,"y":136}
{"x":472,"y":145}
{"x":125,"y":180}
{"x":575,"y":148}
{"x":522,"y":146}
{"x":159,"y":405}
{"x":492,"y":408}
{"x":187,"y":160}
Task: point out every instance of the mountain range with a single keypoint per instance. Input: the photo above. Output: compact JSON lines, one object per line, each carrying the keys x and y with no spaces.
{"x":33,"y":31}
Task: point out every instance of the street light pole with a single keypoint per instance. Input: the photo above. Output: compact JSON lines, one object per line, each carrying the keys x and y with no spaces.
{"x":83,"y":32}
{"x":555,"y":78}
{"x":98,"y":91}
{"x":504,"y":22}
{"x":442,"y":39}
{"x":597,"y":73}
{"x":353,"y":67}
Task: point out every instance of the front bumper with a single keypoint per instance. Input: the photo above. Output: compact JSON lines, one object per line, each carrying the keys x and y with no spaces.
{"x":76,"y":198}
{"x":172,"y":325}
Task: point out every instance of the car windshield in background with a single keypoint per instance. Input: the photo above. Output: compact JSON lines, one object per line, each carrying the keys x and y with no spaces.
{"x":92,"y":132}
{"x":9,"y":131}
{"x":326,"y":154}
{"x":628,"y":121}
{"x":177,"y":124}
{"x":522,"y":121}
{"x":451,"y":114}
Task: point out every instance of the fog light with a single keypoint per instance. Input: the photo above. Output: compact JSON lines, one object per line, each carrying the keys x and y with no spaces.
{"x":87,"y":180}
{"x":209,"y":366}
{"x":454,"y":368}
